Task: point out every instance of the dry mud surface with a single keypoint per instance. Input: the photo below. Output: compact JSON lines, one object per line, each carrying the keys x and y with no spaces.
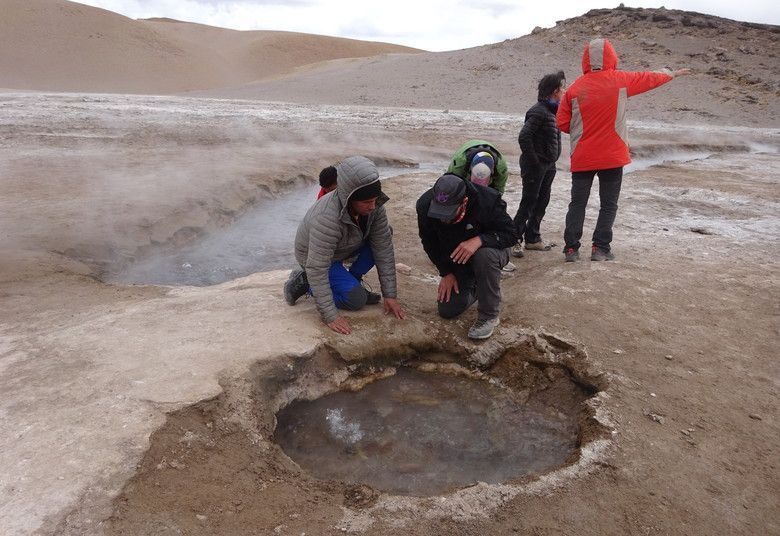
{"x":131,"y":409}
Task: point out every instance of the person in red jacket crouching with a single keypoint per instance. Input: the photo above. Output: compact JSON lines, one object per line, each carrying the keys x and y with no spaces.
{"x":593,"y":113}
{"x":328,"y":177}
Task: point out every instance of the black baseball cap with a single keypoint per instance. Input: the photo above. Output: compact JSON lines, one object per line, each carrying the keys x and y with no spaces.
{"x":448,"y":192}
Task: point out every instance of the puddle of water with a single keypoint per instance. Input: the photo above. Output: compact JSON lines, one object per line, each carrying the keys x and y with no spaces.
{"x":639,"y":164}
{"x":260,"y":240}
{"x":420,"y":433}
{"x":424,"y":167}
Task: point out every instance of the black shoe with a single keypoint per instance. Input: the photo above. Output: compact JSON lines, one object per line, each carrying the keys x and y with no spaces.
{"x":372,"y":298}
{"x":598,"y":254}
{"x":571,"y":254}
{"x":296,"y":286}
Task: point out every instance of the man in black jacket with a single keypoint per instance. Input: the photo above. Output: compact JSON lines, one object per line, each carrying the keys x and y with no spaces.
{"x":467,"y":233}
{"x":540,"y":141}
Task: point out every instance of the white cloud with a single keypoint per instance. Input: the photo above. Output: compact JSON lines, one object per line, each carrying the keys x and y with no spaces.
{"x":431,"y":25}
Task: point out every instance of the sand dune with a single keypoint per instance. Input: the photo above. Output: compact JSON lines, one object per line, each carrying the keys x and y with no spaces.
{"x":58,"y":45}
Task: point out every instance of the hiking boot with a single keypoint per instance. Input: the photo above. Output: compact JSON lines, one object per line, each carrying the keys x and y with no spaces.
{"x":372,"y":298}
{"x":483,"y":328}
{"x":571,"y":254}
{"x":517,"y":250}
{"x":598,"y":254}
{"x":296,"y":286}
{"x":538,"y":246}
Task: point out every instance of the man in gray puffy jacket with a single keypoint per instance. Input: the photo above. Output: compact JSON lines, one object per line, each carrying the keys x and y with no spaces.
{"x":349,"y":223}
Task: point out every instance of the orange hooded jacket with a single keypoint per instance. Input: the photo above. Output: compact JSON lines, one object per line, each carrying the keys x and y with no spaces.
{"x":593,"y":109}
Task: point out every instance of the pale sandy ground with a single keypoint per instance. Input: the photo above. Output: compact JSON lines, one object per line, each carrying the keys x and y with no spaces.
{"x":90,"y":370}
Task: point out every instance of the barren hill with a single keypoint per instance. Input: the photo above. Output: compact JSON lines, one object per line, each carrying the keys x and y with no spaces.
{"x":736,"y":70}
{"x":65,"y":46}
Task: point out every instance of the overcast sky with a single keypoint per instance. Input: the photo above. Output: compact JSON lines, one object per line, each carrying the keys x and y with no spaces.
{"x":430,"y":24}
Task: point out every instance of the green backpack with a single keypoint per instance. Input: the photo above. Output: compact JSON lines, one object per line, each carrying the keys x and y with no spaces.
{"x":461,"y":161}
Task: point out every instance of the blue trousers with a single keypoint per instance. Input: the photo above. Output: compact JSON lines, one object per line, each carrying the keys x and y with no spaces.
{"x":345,"y":284}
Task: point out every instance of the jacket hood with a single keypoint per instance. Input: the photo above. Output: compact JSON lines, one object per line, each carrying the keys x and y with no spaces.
{"x":599,"y":55}
{"x":353,"y":173}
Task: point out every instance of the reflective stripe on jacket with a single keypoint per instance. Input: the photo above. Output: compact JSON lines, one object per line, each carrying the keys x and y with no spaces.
{"x":593,"y":109}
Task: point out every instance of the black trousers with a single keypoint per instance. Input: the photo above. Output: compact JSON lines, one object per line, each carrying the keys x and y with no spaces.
{"x":609,"y":192}
{"x":537,"y":183}
{"x":480,"y":282}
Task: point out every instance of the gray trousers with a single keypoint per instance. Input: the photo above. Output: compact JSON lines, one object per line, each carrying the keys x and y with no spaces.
{"x":609,"y":192}
{"x":480,"y":282}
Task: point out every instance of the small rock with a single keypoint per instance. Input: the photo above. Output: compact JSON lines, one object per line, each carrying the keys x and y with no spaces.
{"x":278,"y":529}
{"x":617,"y":351}
{"x":403,"y":268}
{"x":201,"y":517}
{"x":755,"y":417}
{"x":652,"y":394}
{"x":685,"y":432}
{"x":669,"y":357}
{"x":655,"y":417}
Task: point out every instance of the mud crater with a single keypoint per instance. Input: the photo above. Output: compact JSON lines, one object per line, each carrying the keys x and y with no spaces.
{"x":215,"y":467}
{"x":424,"y":433}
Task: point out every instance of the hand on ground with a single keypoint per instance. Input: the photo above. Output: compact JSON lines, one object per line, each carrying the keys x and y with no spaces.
{"x":340,"y":325}
{"x":392,"y":306}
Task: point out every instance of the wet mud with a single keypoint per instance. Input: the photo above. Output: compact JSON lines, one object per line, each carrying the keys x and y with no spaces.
{"x":216,"y":467}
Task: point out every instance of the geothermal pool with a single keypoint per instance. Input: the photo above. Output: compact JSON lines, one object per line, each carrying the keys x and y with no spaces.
{"x":422,"y":433}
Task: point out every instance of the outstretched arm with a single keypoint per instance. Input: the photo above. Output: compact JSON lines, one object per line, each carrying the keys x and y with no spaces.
{"x":640,"y":82}
{"x":381,"y":240}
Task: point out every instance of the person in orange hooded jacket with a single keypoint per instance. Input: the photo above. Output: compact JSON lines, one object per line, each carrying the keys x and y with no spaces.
{"x":593,"y":113}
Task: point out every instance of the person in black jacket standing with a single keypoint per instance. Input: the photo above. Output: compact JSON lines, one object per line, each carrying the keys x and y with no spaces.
{"x":466,"y":232}
{"x":540,"y":142}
